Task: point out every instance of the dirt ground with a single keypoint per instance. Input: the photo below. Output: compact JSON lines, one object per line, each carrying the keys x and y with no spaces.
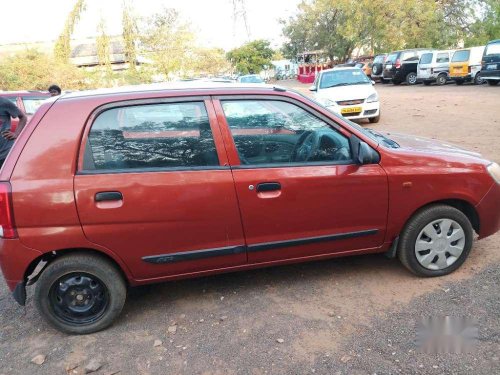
{"x":353,"y":315}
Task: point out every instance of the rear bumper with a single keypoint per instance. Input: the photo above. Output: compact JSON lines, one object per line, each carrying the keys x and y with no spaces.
{"x":490,"y":74}
{"x":14,"y":261}
{"x":489,"y":212}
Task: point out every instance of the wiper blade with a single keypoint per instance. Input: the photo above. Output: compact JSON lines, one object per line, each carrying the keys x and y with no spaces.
{"x":386,"y":140}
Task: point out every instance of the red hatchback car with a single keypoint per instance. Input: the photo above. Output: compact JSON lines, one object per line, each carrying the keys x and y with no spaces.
{"x":109,"y":189}
{"x":26,"y":101}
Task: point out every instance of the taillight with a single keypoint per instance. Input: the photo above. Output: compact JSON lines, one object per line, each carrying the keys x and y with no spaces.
{"x":7,"y":227}
{"x":398,"y":64}
{"x":470,"y":69}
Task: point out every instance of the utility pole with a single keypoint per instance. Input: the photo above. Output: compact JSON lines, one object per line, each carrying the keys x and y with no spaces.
{"x":240,"y":14}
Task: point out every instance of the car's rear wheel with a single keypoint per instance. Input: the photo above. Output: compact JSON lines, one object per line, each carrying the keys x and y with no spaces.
{"x":441,"y":80}
{"x":411,"y":78}
{"x":80,"y":293}
{"x":435,"y":241}
{"x":478,"y":80}
{"x":493,"y":82}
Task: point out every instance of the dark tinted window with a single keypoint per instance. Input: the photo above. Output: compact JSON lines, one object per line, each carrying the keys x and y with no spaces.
{"x":426,"y":58}
{"x":443,"y":57}
{"x":461,"y":56}
{"x":409,"y":56}
{"x":151,"y":136}
{"x":392,"y":58}
{"x":275,"y":132}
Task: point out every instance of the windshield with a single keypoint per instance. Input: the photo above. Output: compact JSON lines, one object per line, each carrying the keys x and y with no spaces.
{"x":426,"y":58}
{"x":343,"y":78}
{"x":251,"y":79}
{"x":391,"y":58}
{"x":461,"y":56}
{"x":32,"y":104}
{"x":492,"y":49}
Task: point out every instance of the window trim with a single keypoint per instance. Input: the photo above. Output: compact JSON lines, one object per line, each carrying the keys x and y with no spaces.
{"x":204,"y":99}
{"x":224,"y":126}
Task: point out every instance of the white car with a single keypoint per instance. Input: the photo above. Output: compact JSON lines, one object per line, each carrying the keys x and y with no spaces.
{"x":347,"y":92}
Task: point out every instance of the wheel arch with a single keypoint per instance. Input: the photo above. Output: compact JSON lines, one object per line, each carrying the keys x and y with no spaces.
{"x":34,"y":271}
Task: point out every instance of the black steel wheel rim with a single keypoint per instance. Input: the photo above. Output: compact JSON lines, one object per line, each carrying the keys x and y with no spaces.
{"x":79,"y":298}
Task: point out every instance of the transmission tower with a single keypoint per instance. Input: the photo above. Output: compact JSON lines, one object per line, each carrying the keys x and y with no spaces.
{"x":239,"y":15}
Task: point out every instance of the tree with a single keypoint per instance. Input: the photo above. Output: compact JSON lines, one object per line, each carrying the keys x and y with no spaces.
{"x":209,"y":61}
{"x":251,"y":57}
{"x":62,"y":48}
{"x":167,"y":41}
{"x":130,"y":35}
{"x":103,"y":46}
{"x":487,"y":27}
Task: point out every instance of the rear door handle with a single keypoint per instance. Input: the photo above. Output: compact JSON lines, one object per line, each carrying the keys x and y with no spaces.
{"x":108,"y":196}
{"x":268,"y":186}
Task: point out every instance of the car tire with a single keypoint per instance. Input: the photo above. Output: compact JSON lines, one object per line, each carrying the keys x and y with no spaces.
{"x":478,"y":80}
{"x":427,"y":83}
{"x":80,"y":293}
{"x":493,"y":82}
{"x":435,"y":262}
{"x":441,"y":80}
{"x":411,"y":78}
{"x":374,"y":120}
{"x":459,"y":82}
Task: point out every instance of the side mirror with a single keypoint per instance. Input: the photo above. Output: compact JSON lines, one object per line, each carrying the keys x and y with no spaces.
{"x":313,"y":88}
{"x":366,"y":154}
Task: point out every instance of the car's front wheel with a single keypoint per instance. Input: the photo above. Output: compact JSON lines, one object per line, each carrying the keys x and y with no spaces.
{"x":411,"y":78}
{"x":435,"y":241}
{"x":80,"y":293}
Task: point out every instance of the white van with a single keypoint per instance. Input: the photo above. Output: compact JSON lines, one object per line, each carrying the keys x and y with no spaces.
{"x":434,"y":66}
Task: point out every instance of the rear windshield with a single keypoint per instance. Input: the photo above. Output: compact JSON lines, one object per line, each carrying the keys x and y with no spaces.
{"x":492,"y":49}
{"x":461,"y":56}
{"x":426,"y":58}
{"x":392,"y":57}
{"x":379,"y":59}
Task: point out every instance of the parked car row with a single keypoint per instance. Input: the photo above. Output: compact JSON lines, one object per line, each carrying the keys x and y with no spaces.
{"x":473,"y":64}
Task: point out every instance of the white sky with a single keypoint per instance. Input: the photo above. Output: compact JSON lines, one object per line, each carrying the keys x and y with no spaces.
{"x":212,"y":20}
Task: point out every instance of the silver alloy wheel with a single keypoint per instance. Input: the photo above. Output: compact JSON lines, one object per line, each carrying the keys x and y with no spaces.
{"x":412,"y":79}
{"x":440,"y":244}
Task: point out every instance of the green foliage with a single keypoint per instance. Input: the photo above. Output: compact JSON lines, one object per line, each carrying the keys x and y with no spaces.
{"x":33,"y":70}
{"x":130,"y":34}
{"x":339,"y":26}
{"x":62,"y":48}
{"x":251,"y":57}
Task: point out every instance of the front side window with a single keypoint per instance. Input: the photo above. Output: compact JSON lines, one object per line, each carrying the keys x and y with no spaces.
{"x":443,"y":58}
{"x":169,"y":135}
{"x":276,"y":132}
{"x":461,"y":56}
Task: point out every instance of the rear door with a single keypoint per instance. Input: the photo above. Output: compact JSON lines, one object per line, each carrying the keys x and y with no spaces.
{"x":299,"y":191}
{"x":154,"y":187}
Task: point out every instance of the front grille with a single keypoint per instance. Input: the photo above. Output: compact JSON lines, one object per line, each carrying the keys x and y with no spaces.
{"x":351,"y":102}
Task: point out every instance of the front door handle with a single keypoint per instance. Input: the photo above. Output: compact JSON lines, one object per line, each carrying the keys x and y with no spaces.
{"x":108,"y":196}
{"x":268,"y":186}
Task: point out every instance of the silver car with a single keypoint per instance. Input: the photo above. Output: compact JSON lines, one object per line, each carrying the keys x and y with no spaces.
{"x":434,"y":66}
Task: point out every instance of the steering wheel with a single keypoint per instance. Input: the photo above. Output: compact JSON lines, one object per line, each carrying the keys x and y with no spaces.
{"x":307,"y":146}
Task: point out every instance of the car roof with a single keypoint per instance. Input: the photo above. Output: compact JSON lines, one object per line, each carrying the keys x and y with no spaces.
{"x":24,"y":93}
{"x":169,"y":87}
{"x":341,"y":68}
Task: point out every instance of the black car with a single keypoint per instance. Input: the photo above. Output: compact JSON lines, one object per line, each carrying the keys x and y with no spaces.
{"x":378,"y":67}
{"x":401,"y":66}
{"x":490,"y":68}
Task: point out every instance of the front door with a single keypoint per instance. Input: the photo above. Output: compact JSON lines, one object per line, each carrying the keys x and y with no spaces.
{"x":154,"y":188}
{"x":300,"y":193}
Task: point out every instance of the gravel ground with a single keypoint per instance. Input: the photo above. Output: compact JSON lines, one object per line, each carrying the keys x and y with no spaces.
{"x":342,"y":316}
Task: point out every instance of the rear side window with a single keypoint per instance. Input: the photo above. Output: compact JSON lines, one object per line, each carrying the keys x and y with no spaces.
{"x":426,"y":58}
{"x":461,"y":56}
{"x":409,"y":56}
{"x":169,"y":135}
{"x":379,"y":59}
{"x":392,"y":58}
{"x":442,"y":58}
{"x":275,"y":132}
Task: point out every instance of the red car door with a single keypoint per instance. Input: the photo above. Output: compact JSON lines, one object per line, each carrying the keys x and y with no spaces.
{"x":300,"y":193}
{"x":154,"y":187}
